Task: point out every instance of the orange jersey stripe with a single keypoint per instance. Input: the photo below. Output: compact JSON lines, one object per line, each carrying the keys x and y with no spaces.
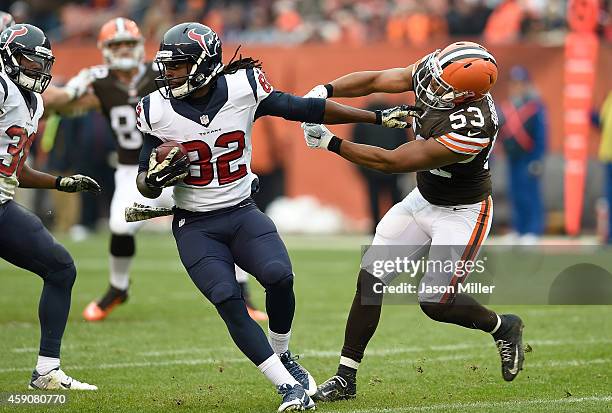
{"x":466,"y":142}
{"x":455,"y":147}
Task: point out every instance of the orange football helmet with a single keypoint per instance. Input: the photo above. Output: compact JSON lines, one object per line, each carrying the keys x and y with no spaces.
{"x":121,"y":30}
{"x":461,"y":72}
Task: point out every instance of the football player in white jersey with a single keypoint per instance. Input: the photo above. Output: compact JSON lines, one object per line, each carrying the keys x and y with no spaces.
{"x":25,"y":72}
{"x":448,"y":215}
{"x":210,"y":108}
{"x":114,"y":89}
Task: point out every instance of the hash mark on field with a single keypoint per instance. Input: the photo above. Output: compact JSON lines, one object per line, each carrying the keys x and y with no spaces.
{"x":475,"y":405}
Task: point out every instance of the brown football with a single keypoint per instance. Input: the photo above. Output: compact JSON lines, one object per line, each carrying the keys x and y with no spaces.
{"x":163,"y":150}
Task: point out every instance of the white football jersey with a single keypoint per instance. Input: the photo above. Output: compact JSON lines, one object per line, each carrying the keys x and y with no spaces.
{"x":217,"y":138}
{"x":18,"y":126}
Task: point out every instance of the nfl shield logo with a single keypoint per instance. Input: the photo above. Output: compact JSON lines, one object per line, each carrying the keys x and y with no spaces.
{"x":204,"y":120}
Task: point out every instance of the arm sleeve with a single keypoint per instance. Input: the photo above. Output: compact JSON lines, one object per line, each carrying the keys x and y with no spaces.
{"x":149,"y":143}
{"x":291,"y":107}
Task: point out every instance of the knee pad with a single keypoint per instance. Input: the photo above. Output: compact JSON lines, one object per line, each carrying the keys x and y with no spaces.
{"x":223,"y":292}
{"x":64,"y":277}
{"x":277,"y":274}
{"x":122,"y":245}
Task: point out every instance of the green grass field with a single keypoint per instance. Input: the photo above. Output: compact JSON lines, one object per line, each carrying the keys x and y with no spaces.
{"x":167,"y":349}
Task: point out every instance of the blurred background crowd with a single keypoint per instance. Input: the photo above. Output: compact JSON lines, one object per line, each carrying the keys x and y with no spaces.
{"x":527,"y":168}
{"x":318,"y":21}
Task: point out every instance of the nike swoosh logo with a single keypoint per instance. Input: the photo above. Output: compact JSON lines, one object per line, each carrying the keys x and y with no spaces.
{"x":472,"y":134}
{"x":325,"y":393}
{"x":514,"y":370}
{"x":160,"y":178}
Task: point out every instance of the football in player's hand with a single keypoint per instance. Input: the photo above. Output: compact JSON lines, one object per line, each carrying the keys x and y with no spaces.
{"x":165,"y":148}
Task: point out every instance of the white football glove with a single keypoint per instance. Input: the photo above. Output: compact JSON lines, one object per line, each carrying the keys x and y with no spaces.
{"x":77,"y":183}
{"x":167,"y":172}
{"x":316,"y":136}
{"x":79,"y":84}
{"x":318,"y":91}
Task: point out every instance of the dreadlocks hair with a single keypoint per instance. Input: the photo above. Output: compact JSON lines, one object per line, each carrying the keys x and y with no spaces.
{"x":241,"y":63}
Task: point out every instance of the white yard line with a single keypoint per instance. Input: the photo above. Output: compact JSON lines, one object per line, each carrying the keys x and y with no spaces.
{"x":484,"y":405}
{"x":230,"y":360}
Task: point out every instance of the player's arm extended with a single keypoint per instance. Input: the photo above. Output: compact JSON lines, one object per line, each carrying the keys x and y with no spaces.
{"x":417,"y":155}
{"x":61,"y":100}
{"x":150,"y":142}
{"x":396,"y":80}
{"x":31,"y":178}
{"x":316,"y":110}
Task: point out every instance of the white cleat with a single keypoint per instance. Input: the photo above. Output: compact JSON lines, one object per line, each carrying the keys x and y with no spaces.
{"x":57,"y":380}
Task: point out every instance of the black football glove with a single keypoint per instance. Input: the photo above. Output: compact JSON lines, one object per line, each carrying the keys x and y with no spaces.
{"x":77,"y":183}
{"x":396,"y":117}
{"x":167,"y":172}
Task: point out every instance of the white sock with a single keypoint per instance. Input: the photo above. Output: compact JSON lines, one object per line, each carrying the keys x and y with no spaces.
{"x":274,"y":370}
{"x":496,"y":326}
{"x":345,"y":361}
{"x":279,"y":342}
{"x":45,"y":364}
{"x":241,"y":275}
{"x":120,"y":272}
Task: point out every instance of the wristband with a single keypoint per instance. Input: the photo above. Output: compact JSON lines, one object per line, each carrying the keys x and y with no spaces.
{"x":57,"y":182}
{"x":330,"y":89}
{"x":378,"y":117}
{"x":334,"y":144}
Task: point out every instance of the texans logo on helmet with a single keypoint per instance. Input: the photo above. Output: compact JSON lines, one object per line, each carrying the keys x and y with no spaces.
{"x":213,"y":42}
{"x":11,"y":34}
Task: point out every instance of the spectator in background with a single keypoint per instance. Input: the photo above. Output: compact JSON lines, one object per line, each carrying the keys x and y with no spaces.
{"x":523,"y":135}
{"x":467,"y":17}
{"x":605,"y":155}
{"x":377,"y":182}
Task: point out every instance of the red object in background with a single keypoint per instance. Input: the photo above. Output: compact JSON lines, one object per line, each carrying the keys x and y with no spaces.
{"x":581,"y":49}
{"x":583,"y":15}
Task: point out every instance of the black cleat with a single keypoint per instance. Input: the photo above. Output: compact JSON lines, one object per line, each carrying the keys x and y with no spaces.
{"x":509,"y":342}
{"x":334,"y":389}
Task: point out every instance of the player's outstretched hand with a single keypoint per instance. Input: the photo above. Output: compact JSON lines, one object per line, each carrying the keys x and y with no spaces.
{"x":397,"y":117}
{"x":79,"y":84}
{"x":77,"y":183}
{"x":167,"y":172}
{"x":316,"y":136}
